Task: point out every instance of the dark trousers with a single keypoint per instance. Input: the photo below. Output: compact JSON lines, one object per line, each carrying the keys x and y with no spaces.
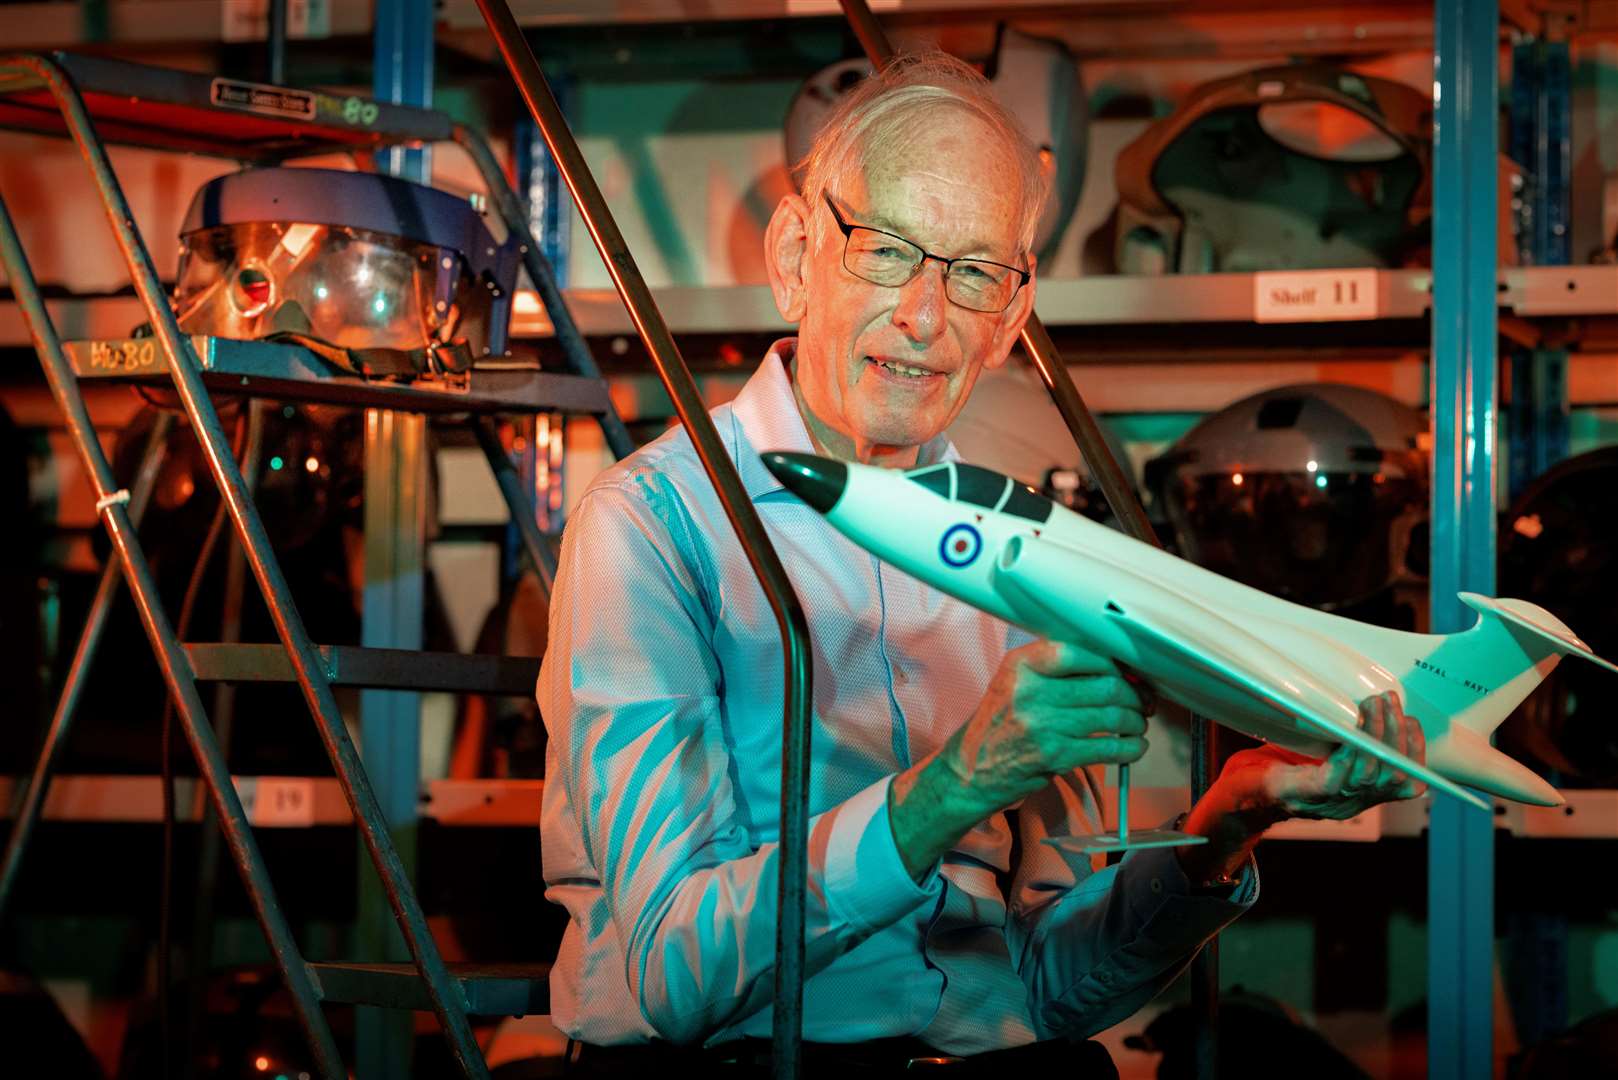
{"x":898,"y":1058}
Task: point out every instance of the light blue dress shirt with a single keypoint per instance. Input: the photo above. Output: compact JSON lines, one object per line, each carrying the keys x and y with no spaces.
{"x":661,"y":689}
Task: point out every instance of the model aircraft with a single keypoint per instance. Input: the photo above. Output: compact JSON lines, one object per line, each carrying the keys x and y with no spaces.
{"x":1272,"y":669}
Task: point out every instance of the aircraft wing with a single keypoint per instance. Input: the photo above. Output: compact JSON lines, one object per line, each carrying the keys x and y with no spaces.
{"x":1211,"y":656}
{"x":1158,"y":627}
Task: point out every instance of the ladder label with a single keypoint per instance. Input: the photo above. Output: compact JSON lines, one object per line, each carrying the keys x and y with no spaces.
{"x":1314,"y":295}
{"x":260,"y":98}
{"x":284,"y":802}
{"x":124,"y":356}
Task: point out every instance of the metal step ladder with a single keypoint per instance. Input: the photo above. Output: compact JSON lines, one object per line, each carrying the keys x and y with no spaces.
{"x":96,"y":101}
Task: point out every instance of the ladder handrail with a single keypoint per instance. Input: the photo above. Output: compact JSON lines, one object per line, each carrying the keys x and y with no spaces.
{"x":1081,"y":424}
{"x":688,"y":404}
{"x":111,"y":505}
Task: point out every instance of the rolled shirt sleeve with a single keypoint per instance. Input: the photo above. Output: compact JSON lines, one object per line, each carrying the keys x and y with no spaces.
{"x":631,"y":694}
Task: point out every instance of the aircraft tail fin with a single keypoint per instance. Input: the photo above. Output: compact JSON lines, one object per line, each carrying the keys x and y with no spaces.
{"x":1516,"y":633}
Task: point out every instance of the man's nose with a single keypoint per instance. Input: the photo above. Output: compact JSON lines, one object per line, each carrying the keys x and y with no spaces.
{"x":920,"y":311}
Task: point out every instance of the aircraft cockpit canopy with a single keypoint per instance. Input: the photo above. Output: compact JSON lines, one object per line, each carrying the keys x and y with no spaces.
{"x":983,"y":487}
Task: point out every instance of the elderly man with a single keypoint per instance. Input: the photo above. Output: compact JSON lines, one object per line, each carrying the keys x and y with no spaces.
{"x":946,"y":744}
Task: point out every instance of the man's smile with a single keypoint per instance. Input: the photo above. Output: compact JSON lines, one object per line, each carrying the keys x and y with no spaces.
{"x":902,"y":371}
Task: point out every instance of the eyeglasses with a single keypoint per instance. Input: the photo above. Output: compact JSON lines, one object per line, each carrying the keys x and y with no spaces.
{"x":883,"y":258}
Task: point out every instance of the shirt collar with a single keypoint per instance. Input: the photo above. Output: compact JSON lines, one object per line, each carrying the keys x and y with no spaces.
{"x":766,"y":417}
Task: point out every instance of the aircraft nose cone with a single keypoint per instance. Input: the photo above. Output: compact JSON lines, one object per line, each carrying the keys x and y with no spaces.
{"x":816,"y":480}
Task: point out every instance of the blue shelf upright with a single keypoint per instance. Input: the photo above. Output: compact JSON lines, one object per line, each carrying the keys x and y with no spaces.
{"x":396,"y":495}
{"x":1541,"y":143}
{"x":1538,"y":422}
{"x":1460,"y":855}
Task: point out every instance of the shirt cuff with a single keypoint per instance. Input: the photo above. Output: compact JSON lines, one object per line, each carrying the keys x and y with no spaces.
{"x":867,"y":885}
{"x":1168,"y":904}
{"x":1243,"y":893}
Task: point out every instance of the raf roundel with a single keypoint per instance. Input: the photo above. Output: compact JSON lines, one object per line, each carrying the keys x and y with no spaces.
{"x":961,"y":546}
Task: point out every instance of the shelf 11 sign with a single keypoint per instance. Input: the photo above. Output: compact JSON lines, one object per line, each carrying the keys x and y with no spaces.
{"x":1314,"y":295}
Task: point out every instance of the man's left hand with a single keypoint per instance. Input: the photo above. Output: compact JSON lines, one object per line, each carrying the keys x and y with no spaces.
{"x":1347,"y":783}
{"x":1260,"y":787}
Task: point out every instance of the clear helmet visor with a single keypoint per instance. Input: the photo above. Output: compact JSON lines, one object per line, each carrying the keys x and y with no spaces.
{"x":1323,"y":539}
{"x":352,"y":288}
{"x":1316,"y":493}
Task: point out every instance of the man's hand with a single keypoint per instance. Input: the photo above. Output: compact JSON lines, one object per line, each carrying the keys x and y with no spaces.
{"x":1050,"y":708}
{"x":1263,"y":786}
{"x":1350,"y":781}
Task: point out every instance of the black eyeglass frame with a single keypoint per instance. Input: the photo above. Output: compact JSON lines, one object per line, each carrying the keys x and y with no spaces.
{"x":847,"y":228}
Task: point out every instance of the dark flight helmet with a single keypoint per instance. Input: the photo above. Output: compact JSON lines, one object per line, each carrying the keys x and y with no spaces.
{"x":1311,"y":493}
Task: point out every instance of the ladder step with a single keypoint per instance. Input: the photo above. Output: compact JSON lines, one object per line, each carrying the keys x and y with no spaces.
{"x":281,"y":371}
{"x":489,"y":989}
{"x":379,"y":669}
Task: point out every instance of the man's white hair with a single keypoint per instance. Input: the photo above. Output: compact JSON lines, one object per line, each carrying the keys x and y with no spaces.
{"x":902,"y":101}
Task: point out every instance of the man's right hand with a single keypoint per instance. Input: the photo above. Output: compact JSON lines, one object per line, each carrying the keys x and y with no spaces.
{"x":1050,"y":708}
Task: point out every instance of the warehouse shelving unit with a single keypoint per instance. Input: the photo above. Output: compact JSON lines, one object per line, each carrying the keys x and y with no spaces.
{"x":1472,"y":300}
{"x":1474,"y":304}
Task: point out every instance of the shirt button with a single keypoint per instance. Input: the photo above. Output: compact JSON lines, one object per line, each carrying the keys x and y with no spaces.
{"x":899,"y":675}
{"x":1157,"y":885}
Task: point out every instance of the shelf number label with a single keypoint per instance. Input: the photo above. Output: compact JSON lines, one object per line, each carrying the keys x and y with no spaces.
{"x":286,"y":802}
{"x":1314,"y":295}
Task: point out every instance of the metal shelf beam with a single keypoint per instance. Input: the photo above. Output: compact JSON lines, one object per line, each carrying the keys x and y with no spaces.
{"x":1528,"y":292}
{"x":277,"y":801}
{"x":1588,"y":815}
{"x":1091,"y":27}
{"x":54,"y":24}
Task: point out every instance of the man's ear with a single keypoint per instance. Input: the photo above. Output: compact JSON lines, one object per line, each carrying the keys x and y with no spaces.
{"x":1013,"y":318}
{"x":786,"y":251}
